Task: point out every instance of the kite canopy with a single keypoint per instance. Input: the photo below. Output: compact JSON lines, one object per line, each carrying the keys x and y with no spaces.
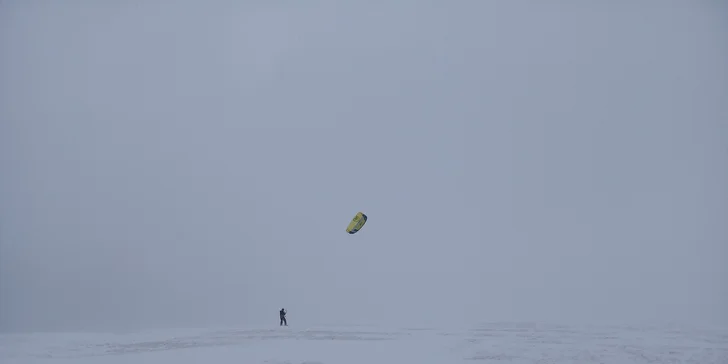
{"x":356,"y":223}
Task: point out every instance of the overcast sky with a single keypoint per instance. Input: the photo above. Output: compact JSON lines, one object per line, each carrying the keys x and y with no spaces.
{"x":197,"y":164}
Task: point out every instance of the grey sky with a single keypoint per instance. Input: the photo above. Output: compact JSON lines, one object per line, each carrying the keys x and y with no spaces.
{"x":196,"y":164}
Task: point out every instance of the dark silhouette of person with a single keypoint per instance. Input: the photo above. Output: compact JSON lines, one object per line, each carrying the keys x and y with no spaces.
{"x":282,"y":313}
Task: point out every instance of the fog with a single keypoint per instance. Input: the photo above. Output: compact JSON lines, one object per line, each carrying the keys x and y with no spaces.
{"x":195,"y":164}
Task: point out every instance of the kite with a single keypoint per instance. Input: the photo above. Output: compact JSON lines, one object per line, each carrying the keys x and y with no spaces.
{"x":356,"y":223}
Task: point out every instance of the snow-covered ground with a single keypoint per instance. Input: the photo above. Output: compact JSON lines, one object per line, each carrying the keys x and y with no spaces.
{"x":487,"y":343}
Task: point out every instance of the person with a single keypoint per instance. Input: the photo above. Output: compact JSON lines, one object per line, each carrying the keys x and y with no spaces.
{"x":282,"y":313}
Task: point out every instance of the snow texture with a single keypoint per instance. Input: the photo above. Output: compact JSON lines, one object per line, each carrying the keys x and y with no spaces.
{"x":486,"y":343}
